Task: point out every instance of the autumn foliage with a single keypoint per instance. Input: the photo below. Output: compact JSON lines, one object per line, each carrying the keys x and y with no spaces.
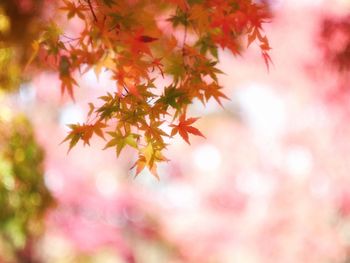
{"x":163,"y":56}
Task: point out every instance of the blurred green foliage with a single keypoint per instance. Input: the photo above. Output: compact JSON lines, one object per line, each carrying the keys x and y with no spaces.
{"x":24,"y":197}
{"x":19,"y":26}
{"x":9,"y":70}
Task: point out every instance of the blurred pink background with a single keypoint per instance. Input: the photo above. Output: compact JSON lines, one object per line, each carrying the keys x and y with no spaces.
{"x":270,"y":183}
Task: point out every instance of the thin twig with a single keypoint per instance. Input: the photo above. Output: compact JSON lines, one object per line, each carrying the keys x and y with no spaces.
{"x":184,"y":40}
{"x":92,"y":10}
{"x":183,"y":49}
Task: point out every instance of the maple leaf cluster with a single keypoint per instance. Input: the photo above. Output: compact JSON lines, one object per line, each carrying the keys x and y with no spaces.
{"x":140,"y":42}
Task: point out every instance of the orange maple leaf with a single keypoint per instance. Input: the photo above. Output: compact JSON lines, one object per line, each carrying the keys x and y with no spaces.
{"x":184,"y":128}
{"x":67,"y":83}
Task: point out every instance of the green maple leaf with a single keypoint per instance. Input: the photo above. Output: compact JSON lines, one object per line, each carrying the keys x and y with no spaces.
{"x":171,"y":94}
{"x":120,"y":141}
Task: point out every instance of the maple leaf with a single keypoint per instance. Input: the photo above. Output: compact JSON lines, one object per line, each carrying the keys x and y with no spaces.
{"x":74,"y":136}
{"x":175,"y":66}
{"x":156,"y":64}
{"x":227,"y":41}
{"x":98,"y":129}
{"x":120,"y":141}
{"x":105,"y":62}
{"x":91,"y":108}
{"x":205,"y":44}
{"x":199,"y":15}
{"x":153,"y":131}
{"x":139,"y":43}
{"x":170,"y":96}
{"x":84,"y":132}
{"x":67,"y":83}
{"x":253,"y":35}
{"x":151,"y":154}
{"x":213,"y":91}
{"x":140,"y":165}
{"x":184,"y":128}
{"x":73,"y":9}
{"x":267,"y":59}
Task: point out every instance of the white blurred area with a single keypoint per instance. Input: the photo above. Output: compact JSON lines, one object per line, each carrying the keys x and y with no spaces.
{"x":71,"y":114}
{"x":207,"y":158}
{"x":107,"y":183}
{"x":263,"y":110}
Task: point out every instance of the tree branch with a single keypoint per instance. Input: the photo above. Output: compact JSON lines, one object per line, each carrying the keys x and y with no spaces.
{"x":92,"y":10}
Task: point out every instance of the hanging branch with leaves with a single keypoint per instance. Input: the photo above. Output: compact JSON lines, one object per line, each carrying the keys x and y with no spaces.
{"x":139,"y":42}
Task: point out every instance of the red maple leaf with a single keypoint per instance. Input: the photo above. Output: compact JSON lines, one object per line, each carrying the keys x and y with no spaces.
{"x":184,"y":128}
